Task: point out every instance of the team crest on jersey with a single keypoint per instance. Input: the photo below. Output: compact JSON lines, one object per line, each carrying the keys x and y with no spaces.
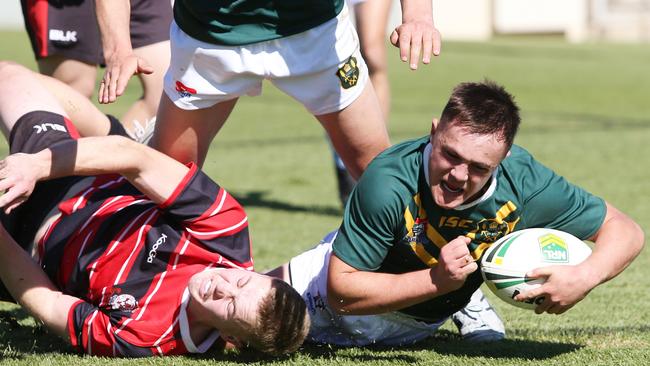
{"x":123,"y":302}
{"x":489,"y":230}
{"x":348,"y":74}
{"x":419,"y":231}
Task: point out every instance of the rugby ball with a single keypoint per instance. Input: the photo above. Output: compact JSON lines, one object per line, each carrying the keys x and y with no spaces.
{"x":504,"y":265}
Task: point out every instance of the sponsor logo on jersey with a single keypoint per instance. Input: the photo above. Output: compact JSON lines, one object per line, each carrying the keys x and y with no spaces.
{"x":44,"y":127}
{"x":553,"y":248}
{"x":315,"y":302}
{"x":348,"y":74}
{"x":184,"y":90}
{"x":154,"y":249}
{"x":123,"y":302}
{"x":58,"y":35}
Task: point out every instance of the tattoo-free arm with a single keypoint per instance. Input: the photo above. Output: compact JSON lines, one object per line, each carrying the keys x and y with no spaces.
{"x":31,"y":288}
{"x":153,"y":173}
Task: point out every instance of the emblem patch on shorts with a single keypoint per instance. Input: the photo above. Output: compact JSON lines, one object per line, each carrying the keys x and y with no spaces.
{"x":184,"y":90}
{"x":348,"y":73}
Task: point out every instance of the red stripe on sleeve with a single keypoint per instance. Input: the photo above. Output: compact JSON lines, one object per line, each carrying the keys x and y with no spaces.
{"x":37,"y":15}
{"x":72,"y":130}
{"x":183,"y":183}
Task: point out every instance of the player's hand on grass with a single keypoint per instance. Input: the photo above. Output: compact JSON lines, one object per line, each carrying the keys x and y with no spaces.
{"x":416,"y":38}
{"x":18,"y":176}
{"x":119,"y":69}
{"x":564,"y":287}
{"x":455,"y":263}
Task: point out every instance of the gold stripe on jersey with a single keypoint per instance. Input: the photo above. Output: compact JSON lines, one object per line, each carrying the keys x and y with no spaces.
{"x":418,"y":248}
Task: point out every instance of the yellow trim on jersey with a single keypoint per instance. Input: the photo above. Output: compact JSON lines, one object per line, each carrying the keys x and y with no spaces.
{"x":418,"y":248}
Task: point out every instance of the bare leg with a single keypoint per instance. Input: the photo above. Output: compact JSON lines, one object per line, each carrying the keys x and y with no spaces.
{"x":358,"y":132}
{"x":79,"y":75}
{"x":371,"y":19}
{"x":20,"y":93}
{"x":158,"y":56}
{"x":23,"y":91}
{"x":185,"y":135}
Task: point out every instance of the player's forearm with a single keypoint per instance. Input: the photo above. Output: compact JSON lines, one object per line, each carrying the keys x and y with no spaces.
{"x":153,"y":173}
{"x":417,"y":10}
{"x":617,"y":243}
{"x":363,"y":293}
{"x":113,"y":17}
{"x":31,"y":288}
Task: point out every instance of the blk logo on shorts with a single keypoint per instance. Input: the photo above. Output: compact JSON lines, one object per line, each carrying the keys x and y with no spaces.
{"x":183,"y":90}
{"x":348,"y":74}
{"x":44,"y":127}
{"x":63,"y":37}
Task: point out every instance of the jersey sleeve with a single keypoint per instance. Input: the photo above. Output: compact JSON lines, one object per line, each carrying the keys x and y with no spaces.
{"x":549,"y":200}
{"x":370,"y":222}
{"x":91,"y":332}
{"x":210,"y":214}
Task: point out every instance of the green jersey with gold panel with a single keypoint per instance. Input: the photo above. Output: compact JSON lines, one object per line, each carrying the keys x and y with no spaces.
{"x":392,"y":225}
{"x":241,"y":22}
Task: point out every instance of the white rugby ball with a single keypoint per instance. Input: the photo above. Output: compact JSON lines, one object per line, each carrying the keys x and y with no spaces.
{"x":504,"y":265}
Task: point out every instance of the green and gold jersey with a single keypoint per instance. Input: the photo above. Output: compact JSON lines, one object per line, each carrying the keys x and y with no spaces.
{"x":392,"y":225}
{"x":242,"y":22}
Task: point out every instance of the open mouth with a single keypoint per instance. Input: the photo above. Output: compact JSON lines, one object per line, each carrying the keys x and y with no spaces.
{"x":446,"y":187}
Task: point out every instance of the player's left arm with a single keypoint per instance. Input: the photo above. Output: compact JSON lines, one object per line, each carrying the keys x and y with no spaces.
{"x":617,"y":242}
{"x":31,"y":288}
{"x":416,"y":36}
{"x":152,"y":172}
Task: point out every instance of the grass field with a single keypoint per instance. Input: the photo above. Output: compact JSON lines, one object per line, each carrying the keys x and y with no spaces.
{"x":586,"y":113}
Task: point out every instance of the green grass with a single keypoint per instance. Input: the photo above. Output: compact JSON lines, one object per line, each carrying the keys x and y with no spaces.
{"x":586,"y":112}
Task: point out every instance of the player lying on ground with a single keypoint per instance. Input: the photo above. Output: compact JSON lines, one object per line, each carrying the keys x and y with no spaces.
{"x":425,"y":210}
{"x":120,"y":249}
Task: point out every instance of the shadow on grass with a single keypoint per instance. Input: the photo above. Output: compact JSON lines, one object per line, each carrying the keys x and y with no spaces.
{"x":259,"y":199}
{"x":18,"y":338}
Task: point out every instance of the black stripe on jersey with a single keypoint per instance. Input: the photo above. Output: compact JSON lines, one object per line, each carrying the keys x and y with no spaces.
{"x":196,"y":197}
{"x":235,"y":247}
{"x":81,"y":311}
{"x":125,"y":348}
{"x":105,"y":233}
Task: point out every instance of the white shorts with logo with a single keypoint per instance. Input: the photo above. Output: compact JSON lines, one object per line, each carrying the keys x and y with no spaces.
{"x":308,"y":273}
{"x":322,"y":68}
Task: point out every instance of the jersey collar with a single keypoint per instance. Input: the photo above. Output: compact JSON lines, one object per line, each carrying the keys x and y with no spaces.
{"x":426,"y":155}
{"x":185,"y":329}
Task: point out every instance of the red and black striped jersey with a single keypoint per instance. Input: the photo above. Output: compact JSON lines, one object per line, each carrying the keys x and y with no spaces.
{"x":129,"y":261}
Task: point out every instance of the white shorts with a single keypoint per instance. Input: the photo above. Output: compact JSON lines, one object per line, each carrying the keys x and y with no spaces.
{"x":322,"y":68}
{"x":308,"y":274}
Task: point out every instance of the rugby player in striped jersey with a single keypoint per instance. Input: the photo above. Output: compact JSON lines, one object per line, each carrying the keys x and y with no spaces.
{"x":118,"y":248}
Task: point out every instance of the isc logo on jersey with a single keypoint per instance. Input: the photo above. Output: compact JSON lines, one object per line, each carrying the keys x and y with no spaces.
{"x":504,"y":265}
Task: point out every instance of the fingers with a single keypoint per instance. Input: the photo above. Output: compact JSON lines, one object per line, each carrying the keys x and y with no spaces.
{"x":394,"y":38}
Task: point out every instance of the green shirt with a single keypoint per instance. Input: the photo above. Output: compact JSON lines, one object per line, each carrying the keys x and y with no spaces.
{"x":242,"y":22}
{"x":392,"y":225}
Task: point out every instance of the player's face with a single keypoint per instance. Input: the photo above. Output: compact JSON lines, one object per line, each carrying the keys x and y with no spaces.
{"x":229,"y":297}
{"x":461,"y":164}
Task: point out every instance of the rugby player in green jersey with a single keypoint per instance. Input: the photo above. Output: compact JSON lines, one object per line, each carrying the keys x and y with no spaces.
{"x":405,"y":257}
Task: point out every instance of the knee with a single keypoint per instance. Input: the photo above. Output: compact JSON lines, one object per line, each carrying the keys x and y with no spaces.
{"x":375,"y":57}
{"x":82,"y":84}
{"x":9,"y":69}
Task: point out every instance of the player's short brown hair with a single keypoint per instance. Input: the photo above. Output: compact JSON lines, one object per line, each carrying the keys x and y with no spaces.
{"x":483,"y":108}
{"x":282,"y":321}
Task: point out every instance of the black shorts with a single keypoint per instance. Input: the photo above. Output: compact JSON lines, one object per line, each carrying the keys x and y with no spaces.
{"x":68,"y":28}
{"x":32,"y":133}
